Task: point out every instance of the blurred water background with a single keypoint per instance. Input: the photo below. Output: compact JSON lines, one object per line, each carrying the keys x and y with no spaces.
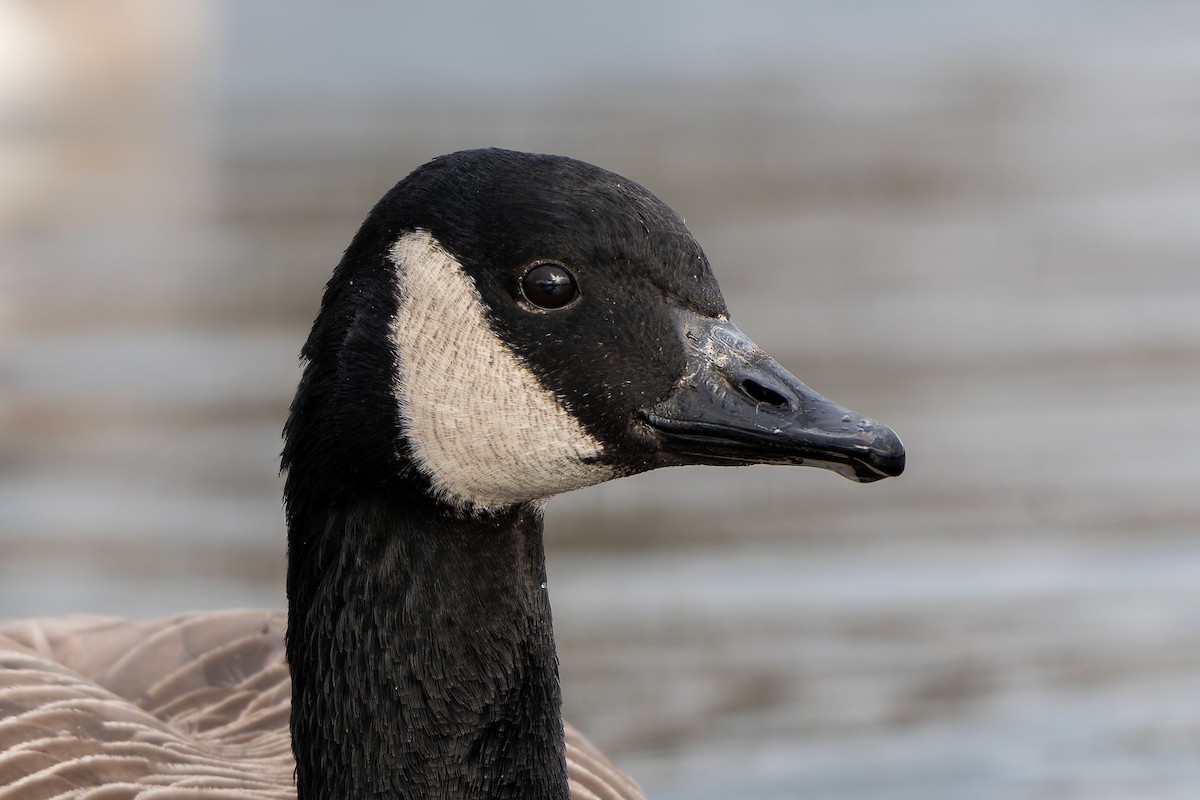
{"x":976,"y":221}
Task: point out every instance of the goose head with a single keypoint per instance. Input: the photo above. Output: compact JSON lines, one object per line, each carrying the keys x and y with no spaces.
{"x":506,"y":327}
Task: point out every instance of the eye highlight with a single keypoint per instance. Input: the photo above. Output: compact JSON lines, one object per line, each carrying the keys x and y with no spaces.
{"x":549,"y":286}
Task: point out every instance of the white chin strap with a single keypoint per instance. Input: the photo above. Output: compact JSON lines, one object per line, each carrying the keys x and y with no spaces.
{"x":480,"y":425}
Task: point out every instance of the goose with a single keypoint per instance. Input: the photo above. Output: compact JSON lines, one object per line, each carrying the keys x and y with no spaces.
{"x":503,"y":328}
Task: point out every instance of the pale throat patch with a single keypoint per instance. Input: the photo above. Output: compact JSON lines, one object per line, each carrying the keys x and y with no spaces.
{"x":480,"y":425}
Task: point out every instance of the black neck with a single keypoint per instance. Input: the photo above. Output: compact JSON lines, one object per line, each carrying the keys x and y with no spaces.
{"x":422,"y":654}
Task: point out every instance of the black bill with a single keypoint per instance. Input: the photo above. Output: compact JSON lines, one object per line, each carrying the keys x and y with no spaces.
{"x":736,"y":405}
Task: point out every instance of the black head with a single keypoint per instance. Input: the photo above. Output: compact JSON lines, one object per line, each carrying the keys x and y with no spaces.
{"x":508,"y":326}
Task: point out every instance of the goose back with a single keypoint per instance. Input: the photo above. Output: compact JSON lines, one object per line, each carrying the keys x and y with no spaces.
{"x":192,"y":706}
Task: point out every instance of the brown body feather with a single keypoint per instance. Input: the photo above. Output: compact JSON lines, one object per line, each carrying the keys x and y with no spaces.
{"x":193,"y":707}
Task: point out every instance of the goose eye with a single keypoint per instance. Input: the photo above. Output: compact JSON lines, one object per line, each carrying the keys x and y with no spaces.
{"x":549,"y":286}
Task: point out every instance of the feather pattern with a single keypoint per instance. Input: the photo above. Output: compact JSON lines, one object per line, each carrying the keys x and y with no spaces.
{"x":193,"y":707}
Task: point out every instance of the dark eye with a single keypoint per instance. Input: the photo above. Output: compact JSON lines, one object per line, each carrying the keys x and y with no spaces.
{"x":549,"y":286}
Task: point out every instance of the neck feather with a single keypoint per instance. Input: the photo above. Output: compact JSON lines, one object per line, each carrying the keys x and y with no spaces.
{"x":422,"y":654}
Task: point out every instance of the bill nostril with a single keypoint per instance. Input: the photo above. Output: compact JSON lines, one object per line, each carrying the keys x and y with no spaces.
{"x":761,"y":394}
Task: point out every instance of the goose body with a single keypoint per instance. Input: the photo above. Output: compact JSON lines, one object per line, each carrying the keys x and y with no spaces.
{"x":503,"y":328}
{"x":195,"y":705}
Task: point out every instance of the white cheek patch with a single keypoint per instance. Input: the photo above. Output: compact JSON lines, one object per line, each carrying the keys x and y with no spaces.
{"x":480,"y":425}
